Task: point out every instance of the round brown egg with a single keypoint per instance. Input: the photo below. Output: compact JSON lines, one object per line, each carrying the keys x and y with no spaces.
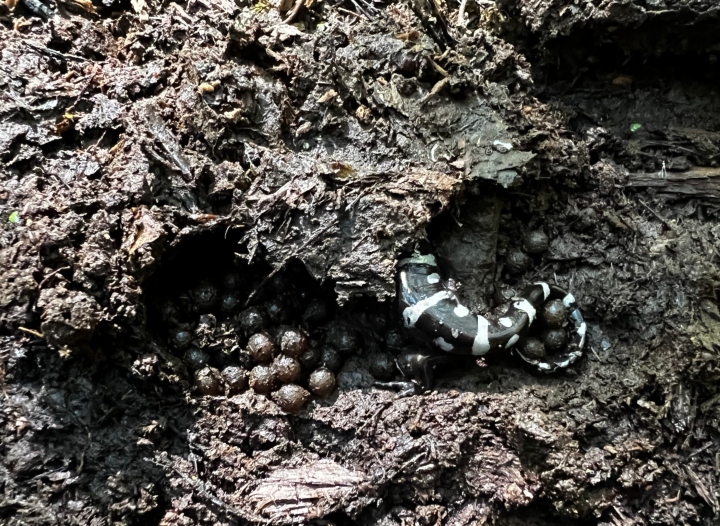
{"x":532,"y":347}
{"x":261,"y":347}
{"x":321,"y":382}
{"x":553,"y":314}
{"x":291,"y":397}
{"x":554,"y":339}
{"x":262,"y":379}
{"x":286,"y":368}
{"x":293,"y":342}
{"x":236,"y":378}
{"x":536,"y":242}
{"x":208,"y":381}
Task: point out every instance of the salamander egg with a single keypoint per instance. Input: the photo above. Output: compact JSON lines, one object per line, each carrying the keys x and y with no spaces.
{"x":536,"y":242}
{"x":382,"y":365}
{"x":293,"y":342}
{"x":291,"y":397}
{"x":261,"y":347}
{"x":180,"y":338}
{"x":286,"y":369}
{"x":554,"y":338}
{"x":262,"y":379}
{"x":252,"y":319}
{"x":330,"y":358}
{"x":553,"y":314}
{"x":517,"y":261}
{"x":236,"y":378}
{"x":196,"y":358}
{"x":229,"y":302}
{"x":532,"y":348}
{"x":205,"y":295}
{"x":316,"y":313}
{"x":321,"y":382}
{"x":310,"y":357}
{"x":208,"y":381}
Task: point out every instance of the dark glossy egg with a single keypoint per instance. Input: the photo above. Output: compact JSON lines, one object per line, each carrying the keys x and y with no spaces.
{"x":262,"y":379}
{"x":321,"y":382}
{"x":236,"y":378}
{"x":554,"y":314}
{"x":261,"y":347}
{"x":293,"y":342}
{"x":554,"y":339}
{"x":196,"y":358}
{"x":287,"y":369}
{"x":532,"y":348}
{"x":252,"y":320}
{"x":208,"y":381}
{"x":382,"y":365}
{"x":291,"y":397}
{"x":517,"y":261}
{"x":536,"y":242}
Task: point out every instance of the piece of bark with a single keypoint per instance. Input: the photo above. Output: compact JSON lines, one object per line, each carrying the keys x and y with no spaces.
{"x":306,"y":492}
{"x":699,"y":182}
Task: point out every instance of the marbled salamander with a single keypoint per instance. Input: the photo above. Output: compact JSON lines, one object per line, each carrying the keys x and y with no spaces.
{"x":431,"y":305}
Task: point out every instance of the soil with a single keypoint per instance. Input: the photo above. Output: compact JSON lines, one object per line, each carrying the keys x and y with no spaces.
{"x":146,"y":149}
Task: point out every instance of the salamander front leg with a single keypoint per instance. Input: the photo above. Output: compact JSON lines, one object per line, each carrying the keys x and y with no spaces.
{"x":418,"y":367}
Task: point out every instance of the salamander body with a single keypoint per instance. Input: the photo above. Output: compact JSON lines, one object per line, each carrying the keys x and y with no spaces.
{"x":432,"y":306}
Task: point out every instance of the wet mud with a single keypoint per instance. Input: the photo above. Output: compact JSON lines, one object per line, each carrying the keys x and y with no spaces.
{"x":177,"y":179}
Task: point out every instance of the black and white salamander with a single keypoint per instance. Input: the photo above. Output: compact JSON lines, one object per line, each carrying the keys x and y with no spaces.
{"x":431,"y":305}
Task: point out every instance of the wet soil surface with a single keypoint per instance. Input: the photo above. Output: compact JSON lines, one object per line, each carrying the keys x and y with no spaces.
{"x":178,"y":178}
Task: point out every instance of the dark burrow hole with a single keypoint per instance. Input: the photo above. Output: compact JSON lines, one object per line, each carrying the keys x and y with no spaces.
{"x":669,"y":46}
{"x":236,"y":325}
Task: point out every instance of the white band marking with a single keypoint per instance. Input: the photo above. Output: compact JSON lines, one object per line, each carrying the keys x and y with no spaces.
{"x":545,"y":287}
{"x":412,"y":313}
{"x":445,"y":346}
{"x":512,"y":341}
{"x":568,"y":300}
{"x":481,"y":344}
{"x":525,"y":306}
{"x":461,"y":311}
{"x":433,"y":278}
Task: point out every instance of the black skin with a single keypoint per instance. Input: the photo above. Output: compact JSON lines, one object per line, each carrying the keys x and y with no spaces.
{"x":418,"y":367}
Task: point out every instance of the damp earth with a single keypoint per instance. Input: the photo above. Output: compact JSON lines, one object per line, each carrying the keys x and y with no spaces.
{"x":201,"y":210}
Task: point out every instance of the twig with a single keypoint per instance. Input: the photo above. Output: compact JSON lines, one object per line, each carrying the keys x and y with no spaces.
{"x":31,"y":331}
{"x":461,"y":13}
{"x":295,"y":10}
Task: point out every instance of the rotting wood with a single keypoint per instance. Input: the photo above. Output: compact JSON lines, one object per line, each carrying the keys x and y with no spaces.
{"x":702,"y":182}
